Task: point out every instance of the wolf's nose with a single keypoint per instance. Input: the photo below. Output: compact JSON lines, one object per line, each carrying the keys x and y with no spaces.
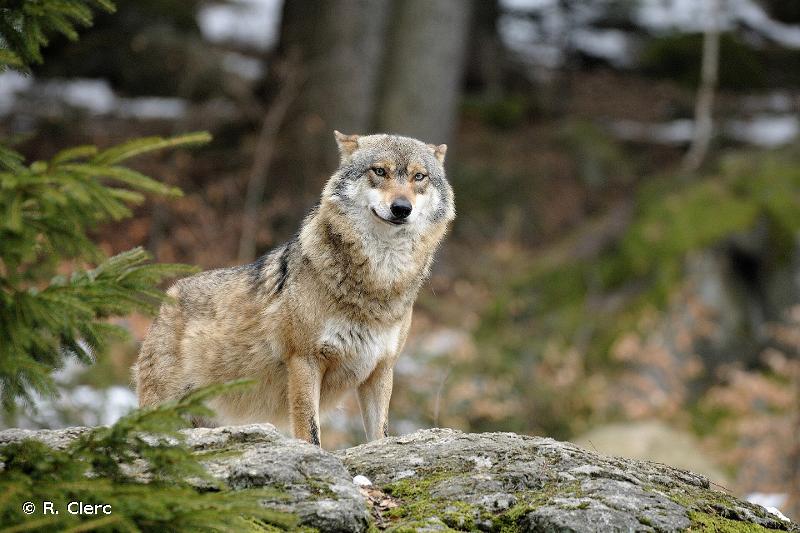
{"x":401,"y":208}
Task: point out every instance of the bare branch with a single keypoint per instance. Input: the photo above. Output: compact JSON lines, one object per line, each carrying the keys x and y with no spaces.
{"x":291,"y":79}
{"x":704,"y":105}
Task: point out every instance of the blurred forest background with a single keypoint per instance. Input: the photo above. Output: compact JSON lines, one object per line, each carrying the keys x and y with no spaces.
{"x":624,"y":271}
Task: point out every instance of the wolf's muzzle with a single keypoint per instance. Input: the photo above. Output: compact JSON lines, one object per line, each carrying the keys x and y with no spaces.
{"x":401,"y":208}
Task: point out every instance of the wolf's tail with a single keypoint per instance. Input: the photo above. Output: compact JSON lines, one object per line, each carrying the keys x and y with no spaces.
{"x":156,"y":369}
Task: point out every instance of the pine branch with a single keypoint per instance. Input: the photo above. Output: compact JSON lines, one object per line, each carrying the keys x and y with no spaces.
{"x":45,"y":325}
{"x":140,"y":467}
{"x":26,"y":24}
{"x":47,"y":209}
{"x":148,"y":144}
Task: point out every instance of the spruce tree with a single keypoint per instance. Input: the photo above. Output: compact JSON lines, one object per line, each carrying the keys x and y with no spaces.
{"x":140,"y":465}
{"x":47,"y":209}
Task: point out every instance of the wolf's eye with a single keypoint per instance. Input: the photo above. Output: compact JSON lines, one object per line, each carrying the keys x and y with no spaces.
{"x":419,"y":176}
{"x":379,"y":171}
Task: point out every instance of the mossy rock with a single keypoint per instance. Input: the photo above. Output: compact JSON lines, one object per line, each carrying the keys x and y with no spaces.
{"x":302,"y":480}
{"x":446,"y":480}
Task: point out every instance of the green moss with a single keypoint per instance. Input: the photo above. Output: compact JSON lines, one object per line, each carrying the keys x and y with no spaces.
{"x":461,"y":516}
{"x":418,"y":504}
{"x":419,"y":508}
{"x":700,"y":504}
{"x":216,"y":455}
{"x":412,"y":487}
{"x":644,"y":520}
{"x":708,"y":523}
{"x":509,"y":521}
{"x":413,"y":527}
{"x":321,"y":489}
{"x":259,"y":526}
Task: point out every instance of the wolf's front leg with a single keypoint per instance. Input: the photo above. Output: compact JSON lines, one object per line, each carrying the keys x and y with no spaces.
{"x":305,"y":378}
{"x":373,"y":397}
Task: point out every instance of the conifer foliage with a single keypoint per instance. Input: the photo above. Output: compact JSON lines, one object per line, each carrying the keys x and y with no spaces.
{"x":46,"y":209}
{"x":107,"y":467}
{"x":26,"y":24}
{"x":139,"y":467}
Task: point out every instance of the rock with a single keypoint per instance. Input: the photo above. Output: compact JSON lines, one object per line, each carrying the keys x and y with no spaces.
{"x":55,"y":438}
{"x":313,"y":484}
{"x":441,"y":480}
{"x":504,"y":481}
{"x":653,"y":440}
{"x":320,"y":490}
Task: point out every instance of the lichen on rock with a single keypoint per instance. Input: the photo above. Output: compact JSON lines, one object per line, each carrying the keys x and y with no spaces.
{"x":445,"y":480}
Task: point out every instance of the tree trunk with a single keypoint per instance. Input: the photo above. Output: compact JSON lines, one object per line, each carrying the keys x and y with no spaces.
{"x":340,"y":43}
{"x":485,"y":64}
{"x":291,"y":81}
{"x":422,"y":72}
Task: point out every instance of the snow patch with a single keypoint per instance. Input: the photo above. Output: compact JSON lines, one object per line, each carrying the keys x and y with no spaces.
{"x":768,"y":131}
{"x":673,"y":132}
{"x":249,"y":68}
{"x":770,"y":501}
{"x":248,"y":22}
{"x":11,"y":83}
{"x":775,"y":102}
{"x":95,"y":96}
{"x":362,"y":481}
{"x":612,"y":45}
{"x":764,"y":130}
{"x":79,"y":405}
{"x":542,"y":31}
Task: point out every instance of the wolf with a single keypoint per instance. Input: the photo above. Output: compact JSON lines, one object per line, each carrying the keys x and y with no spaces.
{"x":322,"y":314}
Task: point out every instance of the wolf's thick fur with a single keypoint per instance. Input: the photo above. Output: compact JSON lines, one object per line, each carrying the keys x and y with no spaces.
{"x":324,"y":313}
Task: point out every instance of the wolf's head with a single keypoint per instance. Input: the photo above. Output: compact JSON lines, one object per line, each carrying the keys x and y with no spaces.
{"x":388,"y":183}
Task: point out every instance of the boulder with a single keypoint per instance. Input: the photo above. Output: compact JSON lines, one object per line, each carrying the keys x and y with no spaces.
{"x":444,"y":480}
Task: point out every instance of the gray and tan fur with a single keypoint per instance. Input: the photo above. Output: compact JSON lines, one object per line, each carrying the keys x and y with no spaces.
{"x":327,"y":312}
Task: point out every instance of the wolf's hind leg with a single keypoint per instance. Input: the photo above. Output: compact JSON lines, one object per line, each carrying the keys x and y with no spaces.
{"x":305,"y":379}
{"x":373,"y":398}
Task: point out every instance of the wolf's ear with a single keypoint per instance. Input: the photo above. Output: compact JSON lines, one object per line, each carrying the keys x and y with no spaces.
{"x":438,"y":151}
{"x":347,"y":143}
